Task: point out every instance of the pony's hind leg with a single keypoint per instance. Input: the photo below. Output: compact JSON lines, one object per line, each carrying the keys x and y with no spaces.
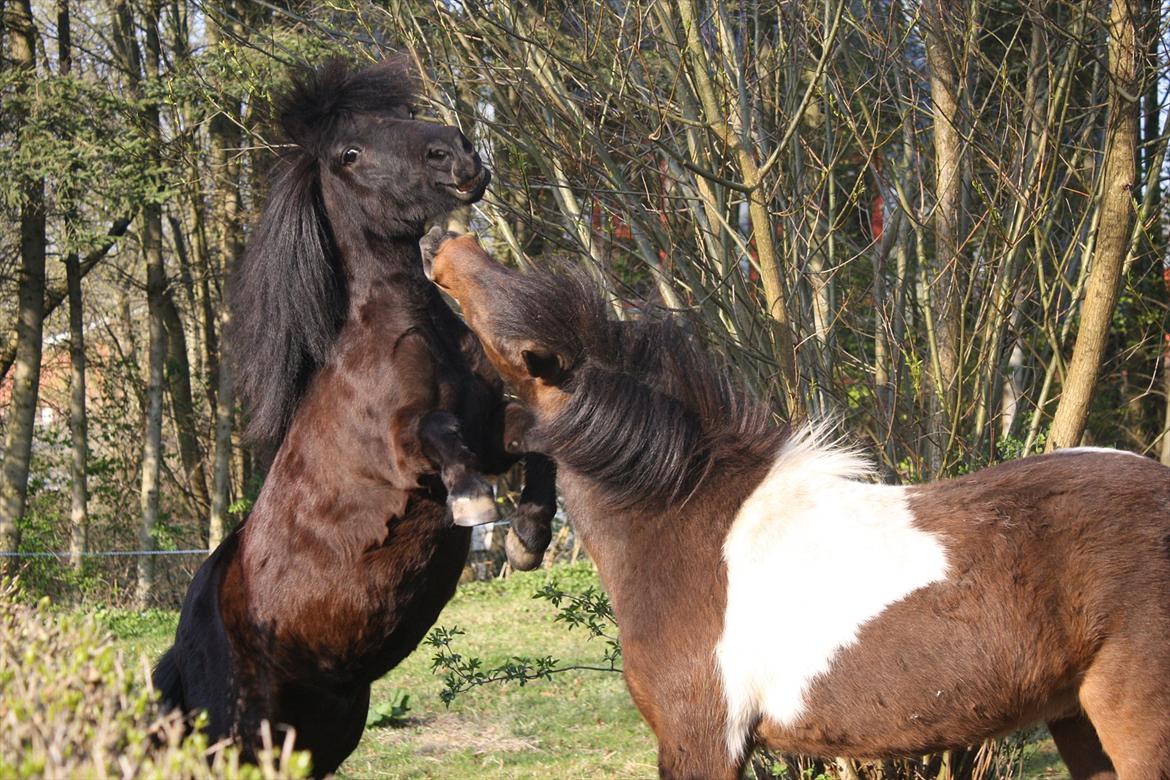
{"x":469,"y":495}
{"x":1125,"y":695}
{"x":1080,"y":749}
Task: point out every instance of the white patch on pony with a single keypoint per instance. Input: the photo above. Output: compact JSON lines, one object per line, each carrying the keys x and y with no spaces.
{"x":1102,"y":450}
{"x":813,"y":554}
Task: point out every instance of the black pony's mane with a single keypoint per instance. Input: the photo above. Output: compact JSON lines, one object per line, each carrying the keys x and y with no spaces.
{"x":649,"y":410}
{"x":287,"y":294}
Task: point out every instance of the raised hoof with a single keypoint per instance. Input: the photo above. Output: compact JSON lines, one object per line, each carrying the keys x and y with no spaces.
{"x":474,"y":507}
{"x":429,"y":246}
{"x":520,"y":557}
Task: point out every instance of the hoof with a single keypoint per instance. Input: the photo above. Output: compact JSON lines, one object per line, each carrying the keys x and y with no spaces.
{"x":474,"y":508}
{"x":429,"y":246}
{"x":519,"y":556}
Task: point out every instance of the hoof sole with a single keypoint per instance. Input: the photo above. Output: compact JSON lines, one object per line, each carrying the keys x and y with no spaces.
{"x":469,"y":511}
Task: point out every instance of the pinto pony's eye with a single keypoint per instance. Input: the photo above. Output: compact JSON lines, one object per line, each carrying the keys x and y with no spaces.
{"x":349,"y":156}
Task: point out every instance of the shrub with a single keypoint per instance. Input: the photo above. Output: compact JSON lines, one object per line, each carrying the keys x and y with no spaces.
{"x":71,"y":705}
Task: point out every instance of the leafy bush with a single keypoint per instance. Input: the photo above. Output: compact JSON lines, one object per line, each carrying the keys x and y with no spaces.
{"x":71,"y":705}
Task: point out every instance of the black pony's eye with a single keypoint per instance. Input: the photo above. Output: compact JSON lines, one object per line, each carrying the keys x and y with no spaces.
{"x":349,"y":156}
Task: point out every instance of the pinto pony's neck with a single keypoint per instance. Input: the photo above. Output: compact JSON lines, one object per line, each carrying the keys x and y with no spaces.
{"x":645,"y":412}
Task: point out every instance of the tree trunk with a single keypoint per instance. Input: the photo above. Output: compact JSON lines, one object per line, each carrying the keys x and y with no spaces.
{"x":944,"y":27}
{"x":225,"y":215}
{"x":79,"y":440}
{"x":761,"y":220}
{"x":156,"y":288}
{"x":30,"y":318}
{"x":152,"y":452}
{"x":222,"y":473}
{"x":78,"y":424}
{"x":178,"y":373}
{"x":1113,"y":227}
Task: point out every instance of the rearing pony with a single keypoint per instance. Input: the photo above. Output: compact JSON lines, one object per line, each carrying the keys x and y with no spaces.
{"x":768,"y":593}
{"x":383,"y":412}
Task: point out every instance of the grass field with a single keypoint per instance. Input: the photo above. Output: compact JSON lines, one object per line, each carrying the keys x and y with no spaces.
{"x":580,"y":724}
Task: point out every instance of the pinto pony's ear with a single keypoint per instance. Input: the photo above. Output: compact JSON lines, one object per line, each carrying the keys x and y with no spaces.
{"x":545,"y":365}
{"x":287,"y":299}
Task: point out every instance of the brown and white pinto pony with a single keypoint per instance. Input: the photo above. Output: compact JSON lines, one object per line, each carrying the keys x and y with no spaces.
{"x":767,"y":592}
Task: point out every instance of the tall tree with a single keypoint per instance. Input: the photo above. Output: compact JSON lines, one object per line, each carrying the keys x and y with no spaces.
{"x":78,"y":433}
{"x":945,"y":28}
{"x":137,"y":69}
{"x":1114,"y":225}
{"x":18,"y":438}
{"x":156,"y":291}
{"x":226,"y":213}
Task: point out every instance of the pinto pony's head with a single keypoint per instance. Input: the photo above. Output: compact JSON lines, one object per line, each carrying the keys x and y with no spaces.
{"x":638,"y":407}
{"x":360,"y":169}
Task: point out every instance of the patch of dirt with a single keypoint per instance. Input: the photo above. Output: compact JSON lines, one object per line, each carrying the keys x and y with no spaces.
{"x":450,"y":733}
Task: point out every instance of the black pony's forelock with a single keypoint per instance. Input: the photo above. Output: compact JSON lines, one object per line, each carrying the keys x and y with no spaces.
{"x":318,"y":97}
{"x":649,"y":410}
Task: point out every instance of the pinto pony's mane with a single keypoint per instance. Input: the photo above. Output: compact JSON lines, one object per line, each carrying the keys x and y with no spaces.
{"x":287,"y":297}
{"x":649,"y":410}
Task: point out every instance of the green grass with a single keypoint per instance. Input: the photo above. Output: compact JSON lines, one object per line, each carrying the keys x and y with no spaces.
{"x":579,"y":724}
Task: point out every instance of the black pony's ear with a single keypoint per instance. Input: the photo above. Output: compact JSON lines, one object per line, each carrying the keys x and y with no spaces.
{"x":287,"y":299}
{"x":545,"y":365}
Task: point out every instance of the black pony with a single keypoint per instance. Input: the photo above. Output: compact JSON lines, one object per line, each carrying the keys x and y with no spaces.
{"x":382,"y":411}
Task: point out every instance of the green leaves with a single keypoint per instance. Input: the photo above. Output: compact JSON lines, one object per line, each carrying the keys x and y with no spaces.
{"x":85,"y":141}
{"x":589,"y":609}
{"x":72,"y":705}
{"x":386,"y":713}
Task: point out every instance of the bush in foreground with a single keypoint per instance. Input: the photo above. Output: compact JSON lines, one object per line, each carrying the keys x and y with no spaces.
{"x":71,"y":705}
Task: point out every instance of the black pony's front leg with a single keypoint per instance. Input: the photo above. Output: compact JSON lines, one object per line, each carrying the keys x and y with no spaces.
{"x":531,"y":529}
{"x":469,"y":495}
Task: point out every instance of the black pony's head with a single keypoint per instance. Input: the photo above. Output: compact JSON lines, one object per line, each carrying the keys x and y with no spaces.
{"x":360,"y":168}
{"x":380,"y":170}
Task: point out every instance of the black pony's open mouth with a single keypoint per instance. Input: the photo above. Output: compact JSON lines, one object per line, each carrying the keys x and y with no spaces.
{"x":473,"y":189}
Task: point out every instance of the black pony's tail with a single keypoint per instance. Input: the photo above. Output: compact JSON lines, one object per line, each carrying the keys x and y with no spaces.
{"x":168,"y":683}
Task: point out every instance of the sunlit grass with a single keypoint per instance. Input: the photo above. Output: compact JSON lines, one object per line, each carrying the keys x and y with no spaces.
{"x":579,"y":724}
